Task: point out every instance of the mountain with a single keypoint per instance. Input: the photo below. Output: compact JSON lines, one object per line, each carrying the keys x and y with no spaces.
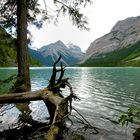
{"x":8,"y":51}
{"x":37,"y":56}
{"x":75,"y":51}
{"x":71,"y":54}
{"x":45,"y":56}
{"x":120,"y":47}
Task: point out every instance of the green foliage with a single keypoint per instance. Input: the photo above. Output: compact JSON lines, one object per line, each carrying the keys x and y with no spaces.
{"x":72,"y":8}
{"x":132,"y":114}
{"x":8,"y":51}
{"x":9,"y":15}
{"x":7,"y":84}
{"x":37,"y":15}
{"x":8,"y":57}
{"x":7,"y":48}
{"x":120,"y":57}
{"x":135,"y":51}
{"x":34,"y":62}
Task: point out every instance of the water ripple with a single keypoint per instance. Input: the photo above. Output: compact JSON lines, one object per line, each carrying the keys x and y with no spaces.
{"x":104,"y":92}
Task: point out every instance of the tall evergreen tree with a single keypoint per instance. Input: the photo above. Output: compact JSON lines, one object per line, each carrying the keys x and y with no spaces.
{"x":21,"y":13}
{"x":22,"y":48}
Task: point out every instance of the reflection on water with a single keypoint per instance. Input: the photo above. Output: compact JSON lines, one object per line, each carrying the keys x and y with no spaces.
{"x":104,"y":92}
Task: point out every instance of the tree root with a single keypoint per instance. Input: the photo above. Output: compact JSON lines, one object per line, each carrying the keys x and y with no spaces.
{"x":59,"y":107}
{"x":85,"y":122}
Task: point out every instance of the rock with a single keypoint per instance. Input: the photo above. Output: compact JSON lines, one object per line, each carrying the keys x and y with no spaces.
{"x":124,"y":34}
{"x":71,"y":54}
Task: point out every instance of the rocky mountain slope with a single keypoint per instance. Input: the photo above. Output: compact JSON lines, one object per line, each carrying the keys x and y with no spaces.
{"x":45,"y":56}
{"x":37,"y":56}
{"x":8,"y":51}
{"x":71,"y":54}
{"x":119,"y":47}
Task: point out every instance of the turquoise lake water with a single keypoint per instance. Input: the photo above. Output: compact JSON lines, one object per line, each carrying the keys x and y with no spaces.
{"x":105,"y":93}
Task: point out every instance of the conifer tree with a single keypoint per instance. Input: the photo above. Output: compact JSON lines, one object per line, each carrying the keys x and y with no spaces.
{"x":19,"y":14}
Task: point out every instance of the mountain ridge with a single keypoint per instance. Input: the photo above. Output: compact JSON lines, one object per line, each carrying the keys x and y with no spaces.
{"x":71,"y":54}
{"x":8,"y":51}
{"x":122,"y":38}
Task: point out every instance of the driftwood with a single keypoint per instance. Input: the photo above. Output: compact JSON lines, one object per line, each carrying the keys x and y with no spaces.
{"x":57,"y":105}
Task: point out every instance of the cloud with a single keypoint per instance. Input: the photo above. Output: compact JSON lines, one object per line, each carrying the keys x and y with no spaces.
{"x":102,"y":17}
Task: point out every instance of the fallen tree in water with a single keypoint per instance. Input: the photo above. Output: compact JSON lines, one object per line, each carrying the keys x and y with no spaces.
{"x":59,"y":107}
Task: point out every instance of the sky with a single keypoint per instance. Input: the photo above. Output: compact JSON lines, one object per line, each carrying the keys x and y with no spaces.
{"x":102,"y":15}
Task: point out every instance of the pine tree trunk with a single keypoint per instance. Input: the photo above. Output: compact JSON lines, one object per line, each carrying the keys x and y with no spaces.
{"x":59,"y":107}
{"x":22,"y":48}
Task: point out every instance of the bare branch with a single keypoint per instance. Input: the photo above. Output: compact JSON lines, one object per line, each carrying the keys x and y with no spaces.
{"x":62,"y":70}
{"x":53,"y":77}
{"x":87,"y":123}
{"x":57,"y":105}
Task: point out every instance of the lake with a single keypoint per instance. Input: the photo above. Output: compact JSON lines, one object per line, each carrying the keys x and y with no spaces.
{"x":105,"y":93}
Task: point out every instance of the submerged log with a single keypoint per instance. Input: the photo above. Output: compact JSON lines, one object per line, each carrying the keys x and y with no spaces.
{"x":55,"y":102}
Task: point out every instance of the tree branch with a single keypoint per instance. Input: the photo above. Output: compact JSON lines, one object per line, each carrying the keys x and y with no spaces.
{"x":22,"y":97}
{"x":57,"y":105}
{"x":53,"y":77}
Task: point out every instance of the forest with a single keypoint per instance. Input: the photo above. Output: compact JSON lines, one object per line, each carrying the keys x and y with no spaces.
{"x":59,"y":93}
{"x":19,"y":14}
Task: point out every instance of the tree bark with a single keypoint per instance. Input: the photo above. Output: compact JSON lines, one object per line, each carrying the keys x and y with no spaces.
{"x":22,"y":97}
{"x":58,"y":120}
{"x":59,"y":112}
{"x":22,"y":48}
{"x":57,"y":105}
